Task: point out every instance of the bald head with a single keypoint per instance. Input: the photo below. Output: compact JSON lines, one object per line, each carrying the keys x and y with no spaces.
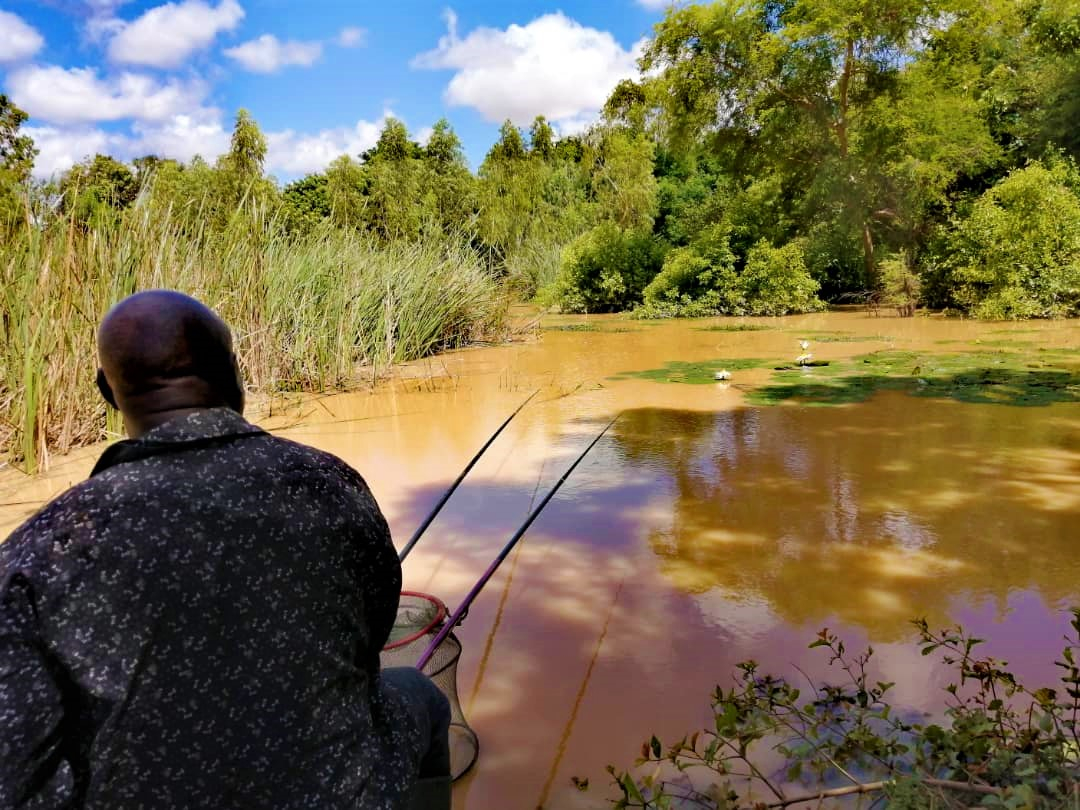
{"x":164,"y":354}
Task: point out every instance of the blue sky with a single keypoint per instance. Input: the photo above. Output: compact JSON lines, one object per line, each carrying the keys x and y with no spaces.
{"x":128,"y":77}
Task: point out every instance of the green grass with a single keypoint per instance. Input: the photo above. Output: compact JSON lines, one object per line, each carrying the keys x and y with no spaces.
{"x":309,"y":314}
{"x":1022,"y":379}
{"x":693,"y":373}
{"x":572,"y":327}
{"x":988,"y":378}
{"x":736,"y":327}
{"x":842,"y":337}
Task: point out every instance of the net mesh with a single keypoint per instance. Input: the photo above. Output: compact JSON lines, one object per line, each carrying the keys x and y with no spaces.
{"x":419,"y":619}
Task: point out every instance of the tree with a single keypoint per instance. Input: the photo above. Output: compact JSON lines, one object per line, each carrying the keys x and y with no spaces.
{"x":306,"y":202}
{"x":247,"y":150}
{"x":346,"y":184}
{"x":97,"y":188}
{"x":541,"y":139}
{"x":17,"y":154}
{"x":446,"y":181}
{"x":787,"y":88}
{"x":393,"y":184}
{"x":17,"y":151}
{"x":1017,"y":254}
{"x":623,"y":183}
{"x":510,"y":145}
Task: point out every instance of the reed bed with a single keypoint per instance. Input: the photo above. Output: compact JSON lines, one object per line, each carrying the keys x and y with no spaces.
{"x":315,"y":313}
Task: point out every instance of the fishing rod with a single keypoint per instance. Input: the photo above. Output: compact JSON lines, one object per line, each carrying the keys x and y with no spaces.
{"x":456,"y":618}
{"x":446,"y":495}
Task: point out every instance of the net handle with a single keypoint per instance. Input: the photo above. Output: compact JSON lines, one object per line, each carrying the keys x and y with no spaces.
{"x":440,"y":616}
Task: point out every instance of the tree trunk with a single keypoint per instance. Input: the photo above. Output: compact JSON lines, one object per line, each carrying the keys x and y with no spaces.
{"x":845,"y":91}
{"x":868,"y":255}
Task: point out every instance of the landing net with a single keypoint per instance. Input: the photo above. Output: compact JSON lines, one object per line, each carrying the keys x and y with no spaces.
{"x":419,"y":619}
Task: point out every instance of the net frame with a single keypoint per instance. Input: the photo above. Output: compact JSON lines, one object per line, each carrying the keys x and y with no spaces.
{"x":441,"y":668}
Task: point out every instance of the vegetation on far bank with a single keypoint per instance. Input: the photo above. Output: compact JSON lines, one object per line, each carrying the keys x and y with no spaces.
{"x":771,"y":157}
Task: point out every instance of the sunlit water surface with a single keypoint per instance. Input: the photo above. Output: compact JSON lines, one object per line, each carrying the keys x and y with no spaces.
{"x":701,"y":532}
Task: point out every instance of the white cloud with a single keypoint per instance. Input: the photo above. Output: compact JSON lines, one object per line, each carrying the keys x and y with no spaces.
{"x":268,"y":54}
{"x":74,"y":95}
{"x":182,"y":137}
{"x":657,"y":5}
{"x":166,"y":35}
{"x":60,"y":149}
{"x":351,"y":37}
{"x":294,"y":153}
{"x":18,"y":40}
{"x":553,"y":66}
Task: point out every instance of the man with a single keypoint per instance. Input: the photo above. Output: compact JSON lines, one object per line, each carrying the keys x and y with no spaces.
{"x":199,"y":623}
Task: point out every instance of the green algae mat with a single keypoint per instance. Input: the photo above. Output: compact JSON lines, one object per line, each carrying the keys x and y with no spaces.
{"x":1019,"y":377}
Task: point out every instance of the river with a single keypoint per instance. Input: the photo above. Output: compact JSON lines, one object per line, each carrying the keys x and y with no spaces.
{"x":707,"y":527}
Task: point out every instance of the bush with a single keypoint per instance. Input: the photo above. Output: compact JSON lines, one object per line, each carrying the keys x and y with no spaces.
{"x":695,"y":281}
{"x":900,"y":286}
{"x":775,"y":281}
{"x":1003,"y":744}
{"x":700,"y":280}
{"x":606,"y":269}
{"x":1017,"y":254}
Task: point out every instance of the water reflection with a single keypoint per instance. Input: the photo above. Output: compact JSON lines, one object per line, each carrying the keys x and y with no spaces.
{"x":873,"y":514}
{"x":700,"y":532}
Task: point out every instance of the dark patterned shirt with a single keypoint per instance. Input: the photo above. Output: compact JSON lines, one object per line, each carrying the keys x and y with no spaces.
{"x":199,"y":625}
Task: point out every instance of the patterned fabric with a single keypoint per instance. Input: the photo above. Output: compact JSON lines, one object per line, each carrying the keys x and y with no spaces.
{"x":199,"y":625}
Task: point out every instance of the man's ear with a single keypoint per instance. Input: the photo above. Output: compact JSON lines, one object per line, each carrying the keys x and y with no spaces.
{"x":236,"y":395}
{"x":105,"y":389}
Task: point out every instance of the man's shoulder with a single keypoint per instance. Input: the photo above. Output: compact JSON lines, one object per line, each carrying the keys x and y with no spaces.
{"x":76,"y":509}
{"x":312,"y":457}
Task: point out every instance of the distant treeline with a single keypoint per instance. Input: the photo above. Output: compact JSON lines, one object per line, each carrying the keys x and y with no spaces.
{"x":771,"y":154}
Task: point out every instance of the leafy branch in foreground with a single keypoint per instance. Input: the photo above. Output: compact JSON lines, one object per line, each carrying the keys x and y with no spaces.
{"x":1002,"y":745}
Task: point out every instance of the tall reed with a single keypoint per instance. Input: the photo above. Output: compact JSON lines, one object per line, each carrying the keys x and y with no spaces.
{"x":309,"y":314}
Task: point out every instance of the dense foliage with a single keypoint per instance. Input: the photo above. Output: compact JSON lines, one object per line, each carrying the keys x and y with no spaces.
{"x":774,"y":154}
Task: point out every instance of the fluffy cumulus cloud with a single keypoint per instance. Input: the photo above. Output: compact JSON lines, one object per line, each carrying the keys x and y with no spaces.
{"x":74,"y":95}
{"x":297,"y":153}
{"x":553,"y":66}
{"x":167,"y":35}
{"x":268,"y":54}
{"x":60,"y":149}
{"x":181,"y":137}
{"x":18,"y":40}
{"x":202,"y":132}
{"x":351,"y":37}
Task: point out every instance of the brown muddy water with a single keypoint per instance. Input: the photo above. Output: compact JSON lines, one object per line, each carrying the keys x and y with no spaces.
{"x":707,"y":528}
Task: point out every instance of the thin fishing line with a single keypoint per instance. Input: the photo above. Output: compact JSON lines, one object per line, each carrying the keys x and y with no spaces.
{"x":459,"y":614}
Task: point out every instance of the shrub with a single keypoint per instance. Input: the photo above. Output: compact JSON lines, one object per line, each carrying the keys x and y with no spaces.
{"x":1003,"y":744}
{"x":700,"y":280}
{"x":606,"y":269}
{"x":775,"y":281}
{"x":1017,"y":254}
{"x":697,"y":280}
{"x":900,"y":286}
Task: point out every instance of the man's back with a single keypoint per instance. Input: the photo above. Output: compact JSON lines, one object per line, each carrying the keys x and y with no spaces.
{"x":212,"y":607}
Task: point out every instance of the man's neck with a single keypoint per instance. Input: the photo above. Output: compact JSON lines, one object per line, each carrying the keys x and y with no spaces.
{"x":139,"y":425}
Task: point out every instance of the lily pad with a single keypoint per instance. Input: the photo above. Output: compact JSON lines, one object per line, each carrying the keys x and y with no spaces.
{"x":698,"y":373}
